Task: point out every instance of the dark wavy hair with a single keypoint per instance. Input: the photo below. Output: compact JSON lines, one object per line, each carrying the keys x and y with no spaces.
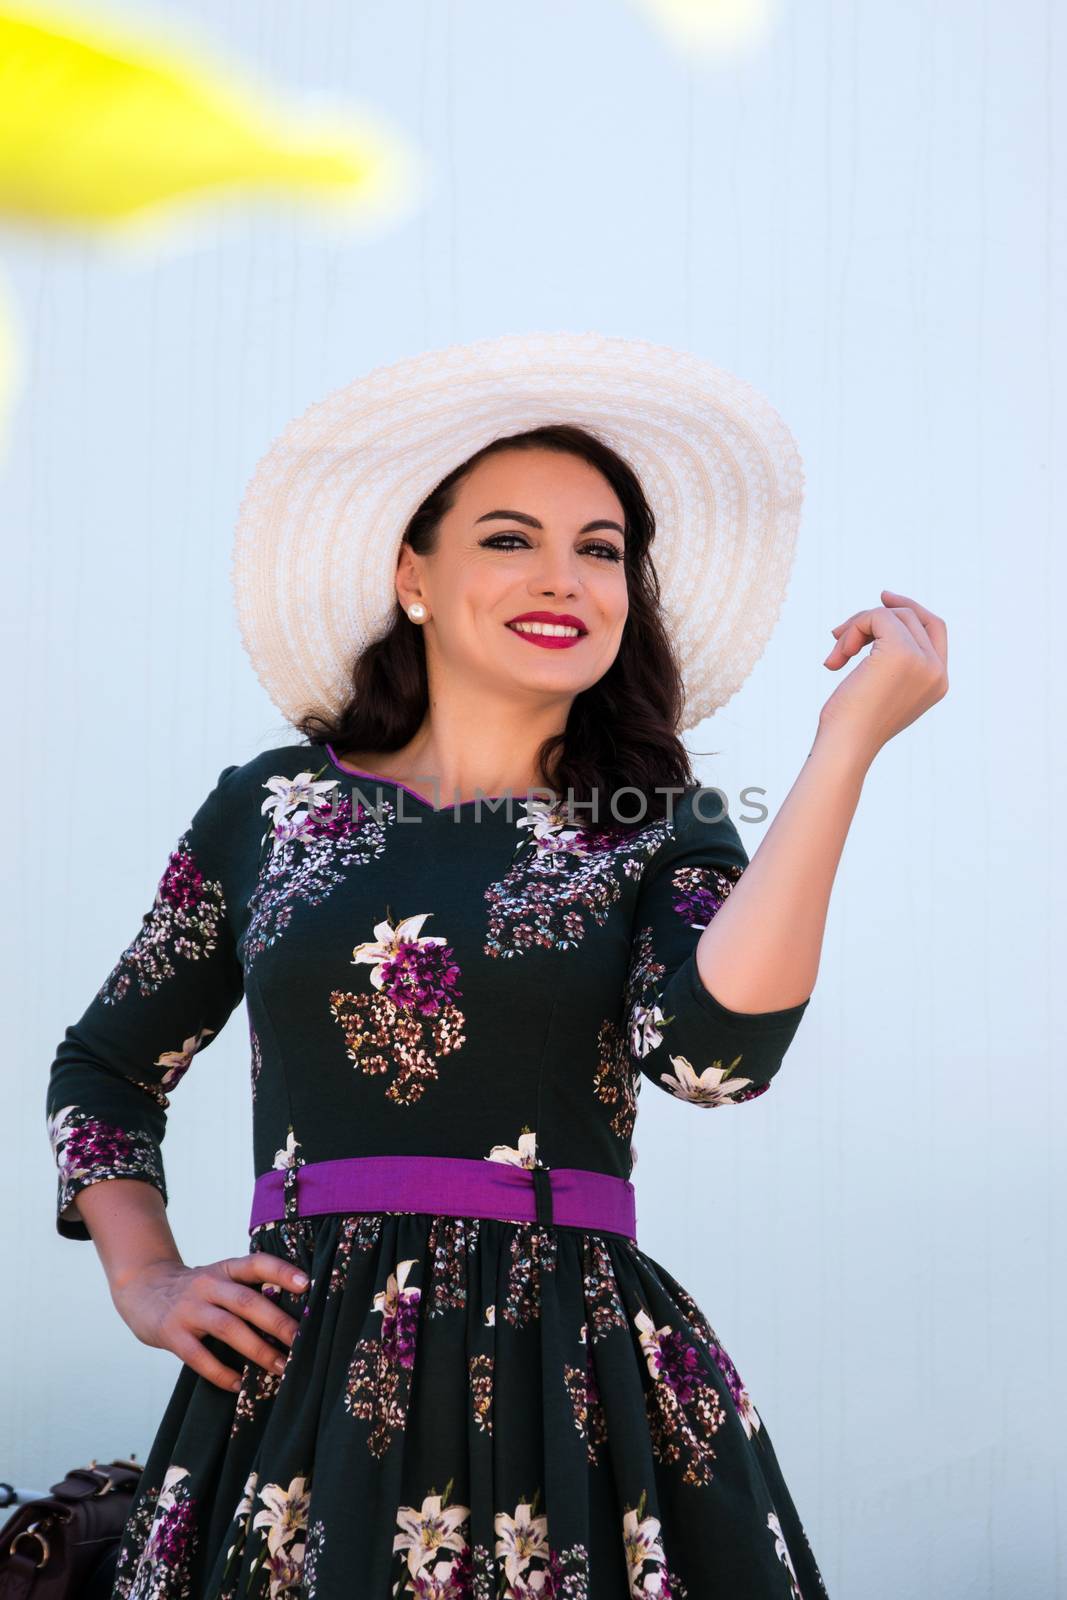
{"x":621,"y":732}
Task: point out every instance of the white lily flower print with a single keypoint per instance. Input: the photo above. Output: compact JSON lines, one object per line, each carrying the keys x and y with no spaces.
{"x":244,"y":1505}
{"x":520,"y":1540}
{"x":781,"y":1550}
{"x":641,"y":1541}
{"x":425,"y":1532}
{"x":291,"y":802}
{"x":287,"y":1156}
{"x":524,"y":1155}
{"x":551,"y":831}
{"x":284,"y":1512}
{"x":712,"y":1087}
{"x":388,"y":1302}
{"x":177,"y":1061}
{"x":646,"y":1023}
{"x":387,"y":942}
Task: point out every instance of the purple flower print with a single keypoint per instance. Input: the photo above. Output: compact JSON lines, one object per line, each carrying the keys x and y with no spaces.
{"x":699,"y":892}
{"x":399,"y":1307}
{"x":315,"y":837}
{"x":685,"y":1409}
{"x":378,"y":1385}
{"x":174,"y":1526}
{"x":335,"y":818}
{"x":173,"y":1533}
{"x":710,"y":1341}
{"x":421,"y":976}
{"x":158,"y":1541}
{"x":413,"y":977}
{"x":678,"y":1364}
{"x":185,"y":920}
{"x":87,"y":1149}
{"x":92,"y":1143}
{"x":182,"y":884}
{"x":416,"y":970}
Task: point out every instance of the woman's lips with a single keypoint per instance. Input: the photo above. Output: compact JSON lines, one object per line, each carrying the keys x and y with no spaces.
{"x":547,"y":641}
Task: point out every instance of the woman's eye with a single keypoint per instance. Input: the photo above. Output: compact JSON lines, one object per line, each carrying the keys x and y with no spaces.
{"x":494,"y":542}
{"x":601,"y":549}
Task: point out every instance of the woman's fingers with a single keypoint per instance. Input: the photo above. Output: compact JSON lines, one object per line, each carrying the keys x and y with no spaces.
{"x":255,"y":1307}
{"x":216,"y":1300}
{"x":936,"y":630}
{"x":260,"y":1266}
{"x":925,"y":627}
{"x":237,"y":1333}
{"x":906,"y":616}
{"x":852,"y":635}
{"x":199,"y":1358}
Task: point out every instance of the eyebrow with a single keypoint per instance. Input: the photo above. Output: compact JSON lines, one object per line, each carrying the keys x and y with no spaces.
{"x":532,"y":522}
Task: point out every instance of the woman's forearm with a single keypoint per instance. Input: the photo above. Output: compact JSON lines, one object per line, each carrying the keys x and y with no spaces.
{"x":128,"y":1223}
{"x":760,"y":952}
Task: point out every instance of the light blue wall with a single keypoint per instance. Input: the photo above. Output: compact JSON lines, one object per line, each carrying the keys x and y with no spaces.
{"x":865,"y":219}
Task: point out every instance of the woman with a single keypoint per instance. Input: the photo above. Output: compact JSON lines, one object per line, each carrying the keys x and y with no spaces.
{"x":445,"y":1368}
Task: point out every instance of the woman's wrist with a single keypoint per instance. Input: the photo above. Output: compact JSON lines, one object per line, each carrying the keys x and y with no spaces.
{"x":128,"y":1223}
{"x":839,"y":748}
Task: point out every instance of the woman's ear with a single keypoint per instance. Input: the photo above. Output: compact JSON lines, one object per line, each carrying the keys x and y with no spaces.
{"x":408,"y":589}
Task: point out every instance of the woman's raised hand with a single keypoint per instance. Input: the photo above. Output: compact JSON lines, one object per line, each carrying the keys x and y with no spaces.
{"x":904,"y":673}
{"x":172,"y":1306}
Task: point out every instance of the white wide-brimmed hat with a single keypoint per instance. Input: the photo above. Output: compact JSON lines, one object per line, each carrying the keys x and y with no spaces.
{"x":320,"y":524}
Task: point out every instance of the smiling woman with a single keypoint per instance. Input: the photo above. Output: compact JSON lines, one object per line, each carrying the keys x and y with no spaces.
{"x":481,"y":1386}
{"x":594,"y":648}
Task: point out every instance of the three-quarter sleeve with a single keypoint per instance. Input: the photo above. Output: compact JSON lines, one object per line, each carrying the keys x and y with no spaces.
{"x":166,"y":998}
{"x":679,"y":1035}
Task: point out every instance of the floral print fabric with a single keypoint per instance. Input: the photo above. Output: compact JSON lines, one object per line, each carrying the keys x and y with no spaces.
{"x":472,"y":1407}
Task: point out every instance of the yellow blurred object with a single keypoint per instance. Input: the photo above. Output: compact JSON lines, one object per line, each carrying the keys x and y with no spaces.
{"x":98,"y":127}
{"x":717,"y":27}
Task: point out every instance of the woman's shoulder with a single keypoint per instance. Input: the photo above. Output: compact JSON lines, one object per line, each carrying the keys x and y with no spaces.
{"x":242,"y":787}
{"x":288,"y":762}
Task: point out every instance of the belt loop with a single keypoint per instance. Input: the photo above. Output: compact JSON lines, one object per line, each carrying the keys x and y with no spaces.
{"x":543,"y":1194}
{"x":289,"y":1190}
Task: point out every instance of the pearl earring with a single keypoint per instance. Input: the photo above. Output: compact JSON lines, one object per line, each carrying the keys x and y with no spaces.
{"x":417,"y":611}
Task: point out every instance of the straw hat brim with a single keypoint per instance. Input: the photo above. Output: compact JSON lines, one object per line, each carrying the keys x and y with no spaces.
{"x":320,"y":524}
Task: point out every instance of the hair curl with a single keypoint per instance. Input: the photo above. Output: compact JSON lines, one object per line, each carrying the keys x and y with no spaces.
{"x":620,"y":733}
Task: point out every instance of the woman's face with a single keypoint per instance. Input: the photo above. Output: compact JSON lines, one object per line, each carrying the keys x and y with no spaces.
{"x":531,"y":531}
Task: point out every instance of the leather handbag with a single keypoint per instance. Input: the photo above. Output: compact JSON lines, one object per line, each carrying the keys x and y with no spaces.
{"x":64,"y":1546}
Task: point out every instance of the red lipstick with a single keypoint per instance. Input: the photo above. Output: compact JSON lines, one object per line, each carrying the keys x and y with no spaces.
{"x":549,"y":640}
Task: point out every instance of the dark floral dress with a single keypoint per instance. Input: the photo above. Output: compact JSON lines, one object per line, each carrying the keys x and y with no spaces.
{"x":472,"y":1407}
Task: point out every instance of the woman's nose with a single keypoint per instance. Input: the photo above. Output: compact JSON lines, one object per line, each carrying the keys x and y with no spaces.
{"x":557,"y":578}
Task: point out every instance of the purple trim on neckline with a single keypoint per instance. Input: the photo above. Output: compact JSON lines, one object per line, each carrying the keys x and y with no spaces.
{"x":455,"y":1186}
{"x":357,"y":772}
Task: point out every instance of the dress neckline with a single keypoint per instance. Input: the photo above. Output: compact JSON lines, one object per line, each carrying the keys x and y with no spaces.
{"x":380,"y":777}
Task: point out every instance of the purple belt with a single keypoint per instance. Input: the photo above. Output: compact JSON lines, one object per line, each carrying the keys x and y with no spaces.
{"x":454,"y":1186}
